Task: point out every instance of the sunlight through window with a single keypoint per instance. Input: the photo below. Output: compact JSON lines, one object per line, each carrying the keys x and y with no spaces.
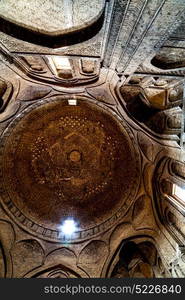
{"x":179,"y":192}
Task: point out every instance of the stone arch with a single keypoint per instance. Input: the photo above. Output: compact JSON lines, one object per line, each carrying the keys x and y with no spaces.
{"x":136,"y":258}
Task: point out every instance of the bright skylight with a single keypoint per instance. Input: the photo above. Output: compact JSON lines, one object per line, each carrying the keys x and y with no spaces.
{"x":72,"y":102}
{"x":68,"y":227}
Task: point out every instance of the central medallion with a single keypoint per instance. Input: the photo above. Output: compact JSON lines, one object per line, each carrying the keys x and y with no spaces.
{"x":75,"y":156}
{"x":63,"y":161}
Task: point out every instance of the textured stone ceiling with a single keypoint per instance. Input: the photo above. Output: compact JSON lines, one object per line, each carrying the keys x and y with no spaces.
{"x":64,"y":16}
{"x":62,"y":160}
{"x":91,"y":128}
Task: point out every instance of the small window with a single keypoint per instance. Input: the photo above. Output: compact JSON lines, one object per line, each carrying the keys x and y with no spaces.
{"x":61,"y":62}
{"x":179,"y":192}
{"x":61,"y":66}
{"x":72,"y":102}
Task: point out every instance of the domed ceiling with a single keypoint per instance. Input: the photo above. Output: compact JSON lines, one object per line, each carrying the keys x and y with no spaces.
{"x":68,"y":161}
